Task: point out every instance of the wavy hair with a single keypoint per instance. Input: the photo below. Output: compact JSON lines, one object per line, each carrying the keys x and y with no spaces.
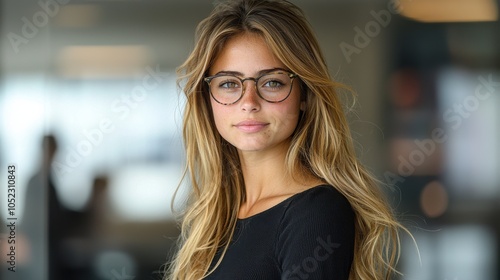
{"x":321,"y":144}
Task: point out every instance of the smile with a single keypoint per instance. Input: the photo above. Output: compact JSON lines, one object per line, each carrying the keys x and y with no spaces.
{"x":251,"y":126}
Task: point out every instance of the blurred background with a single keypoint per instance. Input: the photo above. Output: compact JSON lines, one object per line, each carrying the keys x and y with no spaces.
{"x":90,"y":117}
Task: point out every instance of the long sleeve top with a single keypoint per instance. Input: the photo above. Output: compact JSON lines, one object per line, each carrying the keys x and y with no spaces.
{"x":309,"y":235}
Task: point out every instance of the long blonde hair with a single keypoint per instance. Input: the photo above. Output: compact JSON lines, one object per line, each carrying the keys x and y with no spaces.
{"x":321,"y":144}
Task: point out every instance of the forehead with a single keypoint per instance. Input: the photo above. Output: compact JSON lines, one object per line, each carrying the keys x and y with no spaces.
{"x":247,"y":53}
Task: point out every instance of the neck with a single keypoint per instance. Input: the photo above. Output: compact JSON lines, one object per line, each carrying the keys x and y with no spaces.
{"x":265,"y":175}
{"x":267,"y":181}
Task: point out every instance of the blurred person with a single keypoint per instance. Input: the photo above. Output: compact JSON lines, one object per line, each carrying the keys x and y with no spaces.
{"x":85,"y":237}
{"x":44,"y":215}
{"x":97,"y":208}
{"x":276,"y":189}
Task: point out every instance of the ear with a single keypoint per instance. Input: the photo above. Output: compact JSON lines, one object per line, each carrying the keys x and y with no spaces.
{"x":303,"y":105}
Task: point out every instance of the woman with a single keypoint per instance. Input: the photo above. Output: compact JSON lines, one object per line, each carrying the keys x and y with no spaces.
{"x":277,"y":191}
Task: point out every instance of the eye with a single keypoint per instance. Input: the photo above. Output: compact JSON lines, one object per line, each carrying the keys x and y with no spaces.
{"x":274,"y":81}
{"x":273,"y":84}
{"x":229,"y":84}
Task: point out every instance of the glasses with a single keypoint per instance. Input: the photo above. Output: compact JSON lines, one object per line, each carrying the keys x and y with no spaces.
{"x":273,"y":87}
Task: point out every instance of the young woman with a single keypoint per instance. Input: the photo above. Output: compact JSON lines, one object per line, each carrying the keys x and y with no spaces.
{"x":277,"y":191}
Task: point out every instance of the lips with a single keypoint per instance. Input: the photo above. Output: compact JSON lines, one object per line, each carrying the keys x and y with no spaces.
{"x":251,"y":126}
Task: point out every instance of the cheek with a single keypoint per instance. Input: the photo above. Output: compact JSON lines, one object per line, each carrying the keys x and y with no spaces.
{"x":292,"y":111}
{"x":219,"y":114}
{"x":294,"y":114}
{"x":292,"y":119}
{"x":288,"y":117}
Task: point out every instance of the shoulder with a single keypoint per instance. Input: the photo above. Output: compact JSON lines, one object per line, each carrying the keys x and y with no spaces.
{"x":323,"y":200}
{"x":321,"y":209}
{"x":317,"y":226}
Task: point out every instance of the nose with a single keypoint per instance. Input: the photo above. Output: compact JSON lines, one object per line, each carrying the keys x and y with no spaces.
{"x":250,"y":101}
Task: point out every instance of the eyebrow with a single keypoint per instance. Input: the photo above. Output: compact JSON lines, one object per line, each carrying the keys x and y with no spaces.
{"x":261,"y":72}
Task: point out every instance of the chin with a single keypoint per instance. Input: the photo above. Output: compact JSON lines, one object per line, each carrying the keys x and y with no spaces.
{"x":250,"y":148}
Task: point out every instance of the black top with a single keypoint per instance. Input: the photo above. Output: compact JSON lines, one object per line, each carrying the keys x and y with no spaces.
{"x":310,"y":235}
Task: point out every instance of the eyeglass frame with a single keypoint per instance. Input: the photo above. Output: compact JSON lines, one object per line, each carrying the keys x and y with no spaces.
{"x":291,"y":75}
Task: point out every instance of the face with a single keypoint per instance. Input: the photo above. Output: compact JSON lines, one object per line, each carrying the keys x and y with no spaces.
{"x":253,"y":124}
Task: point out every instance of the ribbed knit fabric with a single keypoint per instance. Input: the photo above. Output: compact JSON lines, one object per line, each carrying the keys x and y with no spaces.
{"x":310,"y":235}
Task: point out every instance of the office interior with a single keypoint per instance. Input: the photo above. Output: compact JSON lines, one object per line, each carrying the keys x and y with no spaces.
{"x":88,"y":88}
